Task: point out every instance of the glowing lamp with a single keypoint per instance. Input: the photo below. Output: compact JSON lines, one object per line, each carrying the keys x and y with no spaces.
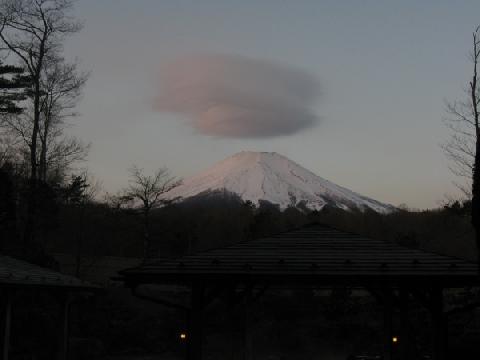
{"x":183,"y":336}
{"x":395,"y":339}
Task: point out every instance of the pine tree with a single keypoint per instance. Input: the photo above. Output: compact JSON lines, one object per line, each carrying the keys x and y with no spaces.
{"x":13,"y":88}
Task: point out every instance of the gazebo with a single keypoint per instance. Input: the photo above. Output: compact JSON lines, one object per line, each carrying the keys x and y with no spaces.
{"x":315,"y":255}
{"x":17,"y":276}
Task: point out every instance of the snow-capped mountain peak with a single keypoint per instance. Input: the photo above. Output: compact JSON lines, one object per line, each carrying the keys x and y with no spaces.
{"x":271,"y":177}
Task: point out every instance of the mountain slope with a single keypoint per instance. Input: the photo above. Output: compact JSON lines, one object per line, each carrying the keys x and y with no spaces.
{"x":274,"y":178}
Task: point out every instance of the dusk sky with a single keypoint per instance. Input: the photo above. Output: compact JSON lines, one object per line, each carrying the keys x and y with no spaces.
{"x":352,"y":90}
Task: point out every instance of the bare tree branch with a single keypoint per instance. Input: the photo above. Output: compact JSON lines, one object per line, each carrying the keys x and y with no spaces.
{"x":463,"y":122}
{"x":144,"y":192}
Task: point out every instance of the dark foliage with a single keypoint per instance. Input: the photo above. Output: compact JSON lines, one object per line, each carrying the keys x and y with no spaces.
{"x":215,"y":221}
{"x":14,"y":85}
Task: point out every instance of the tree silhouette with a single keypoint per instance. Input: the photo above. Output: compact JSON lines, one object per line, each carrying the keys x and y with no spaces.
{"x":144,"y":192}
{"x":33,"y":32}
{"x":463,"y":149}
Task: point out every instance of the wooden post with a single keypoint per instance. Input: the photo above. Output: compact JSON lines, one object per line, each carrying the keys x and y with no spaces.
{"x":387,"y":325}
{"x":404,"y":338}
{"x":247,"y":336}
{"x":63,"y":329}
{"x":7,"y":324}
{"x":440,"y":326}
{"x":231,"y":315}
{"x":194,"y":335}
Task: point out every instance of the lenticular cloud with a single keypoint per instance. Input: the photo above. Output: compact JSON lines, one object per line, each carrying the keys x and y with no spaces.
{"x":238,"y":97}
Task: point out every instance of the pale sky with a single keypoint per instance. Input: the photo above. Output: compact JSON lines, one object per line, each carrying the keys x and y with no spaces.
{"x":384,"y":69}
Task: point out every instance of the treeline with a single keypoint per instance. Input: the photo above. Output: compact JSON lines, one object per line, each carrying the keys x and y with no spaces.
{"x":96,"y":228}
{"x":69,"y":219}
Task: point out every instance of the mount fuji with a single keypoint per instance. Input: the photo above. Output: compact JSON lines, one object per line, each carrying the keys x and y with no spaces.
{"x":268,"y":176}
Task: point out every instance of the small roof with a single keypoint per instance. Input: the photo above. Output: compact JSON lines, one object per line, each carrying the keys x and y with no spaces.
{"x":14,"y":272}
{"x":316,"y":254}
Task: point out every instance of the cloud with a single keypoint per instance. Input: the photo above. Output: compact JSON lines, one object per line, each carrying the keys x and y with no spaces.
{"x":238,"y":97}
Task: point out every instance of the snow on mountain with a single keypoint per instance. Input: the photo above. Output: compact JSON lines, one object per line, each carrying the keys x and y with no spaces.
{"x":274,"y":178}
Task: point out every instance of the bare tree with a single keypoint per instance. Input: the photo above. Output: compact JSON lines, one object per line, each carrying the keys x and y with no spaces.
{"x":33,"y":31}
{"x":145,"y":192}
{"x":463,"y":149}
{"x":58,"y":152}
{"x":62,"y":86}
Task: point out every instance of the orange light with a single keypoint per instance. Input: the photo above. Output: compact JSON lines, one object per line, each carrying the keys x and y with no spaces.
{"x":395,"y":339}
{"x":183,"y":336}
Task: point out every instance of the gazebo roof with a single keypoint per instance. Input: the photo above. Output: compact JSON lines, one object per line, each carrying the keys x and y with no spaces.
{"x":315,"y":254}
{"x":19,"y":273}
